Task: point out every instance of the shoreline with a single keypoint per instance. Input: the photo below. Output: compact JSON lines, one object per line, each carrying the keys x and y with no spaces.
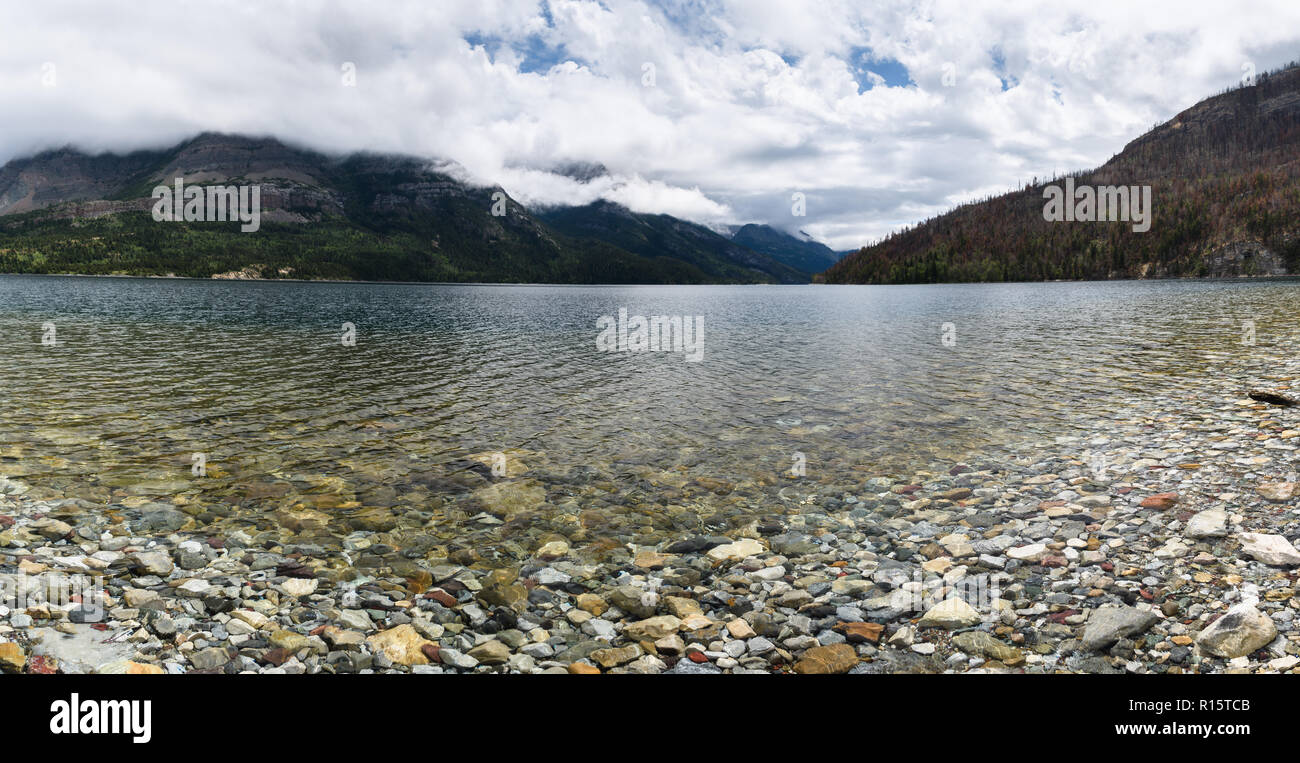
{"x":1037,"y":559}
{"x":1174,"y":279}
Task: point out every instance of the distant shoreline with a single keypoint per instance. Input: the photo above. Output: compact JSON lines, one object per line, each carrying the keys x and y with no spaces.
{"x":1287,"y":277}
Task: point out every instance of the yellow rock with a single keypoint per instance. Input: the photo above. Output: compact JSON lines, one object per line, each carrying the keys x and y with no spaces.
{"x":650,"y":560}
{"x":553,"y":550}
{"x":129,"y":668}
{"x":590,"y":602}
{"x":506,"y":499}
{"x":837,"y":658}
{"x":12,"y":658}
{"x":695,"y":622}
{"x":682,"y":607}
{"x":299,"y":520}
{"x":740,"y":629}
{"x":403,"y":645}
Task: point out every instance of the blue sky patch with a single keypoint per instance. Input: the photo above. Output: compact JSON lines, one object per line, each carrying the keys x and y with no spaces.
{"x":862,"y":62}
{"x":538,"y":55}
{"x":1000,"y":68}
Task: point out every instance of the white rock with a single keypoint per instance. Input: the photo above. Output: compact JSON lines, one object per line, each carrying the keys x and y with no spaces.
{"x":1211,"y":523}
{"x":1273,"y":550}
{"x":1031,"y":553}
{"x":299,"y":587}
{"x":738,"y":550}
{"x":951,"y":614}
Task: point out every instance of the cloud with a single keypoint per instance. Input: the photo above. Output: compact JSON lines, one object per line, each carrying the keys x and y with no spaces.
{"x":714,"y":110}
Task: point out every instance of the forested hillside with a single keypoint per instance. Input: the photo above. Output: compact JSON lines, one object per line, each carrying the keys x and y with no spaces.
{"x":1225,"y":179}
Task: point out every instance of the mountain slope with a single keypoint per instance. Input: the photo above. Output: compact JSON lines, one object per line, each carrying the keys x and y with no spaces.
{"x":364,"y":216}
{"x":1225,"y":186}
{"x":801,"y":254}
{"x":656,"y":236}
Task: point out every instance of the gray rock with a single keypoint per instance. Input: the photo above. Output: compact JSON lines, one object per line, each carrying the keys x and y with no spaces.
{"x":1106,"y":625}
{"x":1240,"y":631}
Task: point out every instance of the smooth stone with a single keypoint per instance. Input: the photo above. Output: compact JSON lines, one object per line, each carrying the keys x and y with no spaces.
{"x":1273,"y":550}
{"x":403,"y":645}
{"x":824,"y":660}
{"x":1240,"y":631}
{"x":737,"y":550}
{"x":950,"y":614}
{"x":1211,"y":523}
{"x":1106,"y":625}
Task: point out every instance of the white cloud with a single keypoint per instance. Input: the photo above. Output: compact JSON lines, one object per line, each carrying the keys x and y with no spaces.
{"x":752,"y":100}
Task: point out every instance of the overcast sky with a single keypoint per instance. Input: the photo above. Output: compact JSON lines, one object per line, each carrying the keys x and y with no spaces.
{"x":880,"y":113}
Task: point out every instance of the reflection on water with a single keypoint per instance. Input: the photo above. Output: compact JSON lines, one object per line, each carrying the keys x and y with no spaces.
{"x":858,"y":379}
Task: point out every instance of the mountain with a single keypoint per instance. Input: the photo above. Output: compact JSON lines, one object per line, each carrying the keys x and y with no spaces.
{"x":1225,"y":189}
{"x":362,"y":216}
{"x":799,"y":253}
{"x":655,"y":236}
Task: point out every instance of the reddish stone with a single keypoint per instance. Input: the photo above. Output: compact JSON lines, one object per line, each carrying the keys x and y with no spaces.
{"x":294,"y":570}
{"x":1124,"y":490}
{"x":953,"y":472}
{"x":277,"y":657}
{"x":1053,"y":560}
{"x":317,"y":631}
{"x":6,"y":521}
{"x":1059,"y":617}
{"x":442,"y":597}
{"x":42,"y":665}
{"x":1108,"y":566}
{"x":217,"y":542}
{"x":859,"y":632}
{"x":433,"y":652}
{"x":698,"y":657}
{"x":1160,"y":501}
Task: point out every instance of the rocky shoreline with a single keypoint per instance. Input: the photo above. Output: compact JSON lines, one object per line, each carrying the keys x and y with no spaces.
{"x":1161,"y":544}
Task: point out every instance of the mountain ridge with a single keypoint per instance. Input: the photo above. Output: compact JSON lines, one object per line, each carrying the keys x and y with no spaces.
{"x":360,"y":216}
{"x":1225,"y":178}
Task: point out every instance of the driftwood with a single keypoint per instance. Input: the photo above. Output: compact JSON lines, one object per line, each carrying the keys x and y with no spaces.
{"x":1273,"y":398}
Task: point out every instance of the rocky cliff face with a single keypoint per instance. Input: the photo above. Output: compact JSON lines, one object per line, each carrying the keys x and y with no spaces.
{"x":367,"y":215}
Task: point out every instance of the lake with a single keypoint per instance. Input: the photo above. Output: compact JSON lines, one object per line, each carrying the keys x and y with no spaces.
{"x":799,"y":390}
